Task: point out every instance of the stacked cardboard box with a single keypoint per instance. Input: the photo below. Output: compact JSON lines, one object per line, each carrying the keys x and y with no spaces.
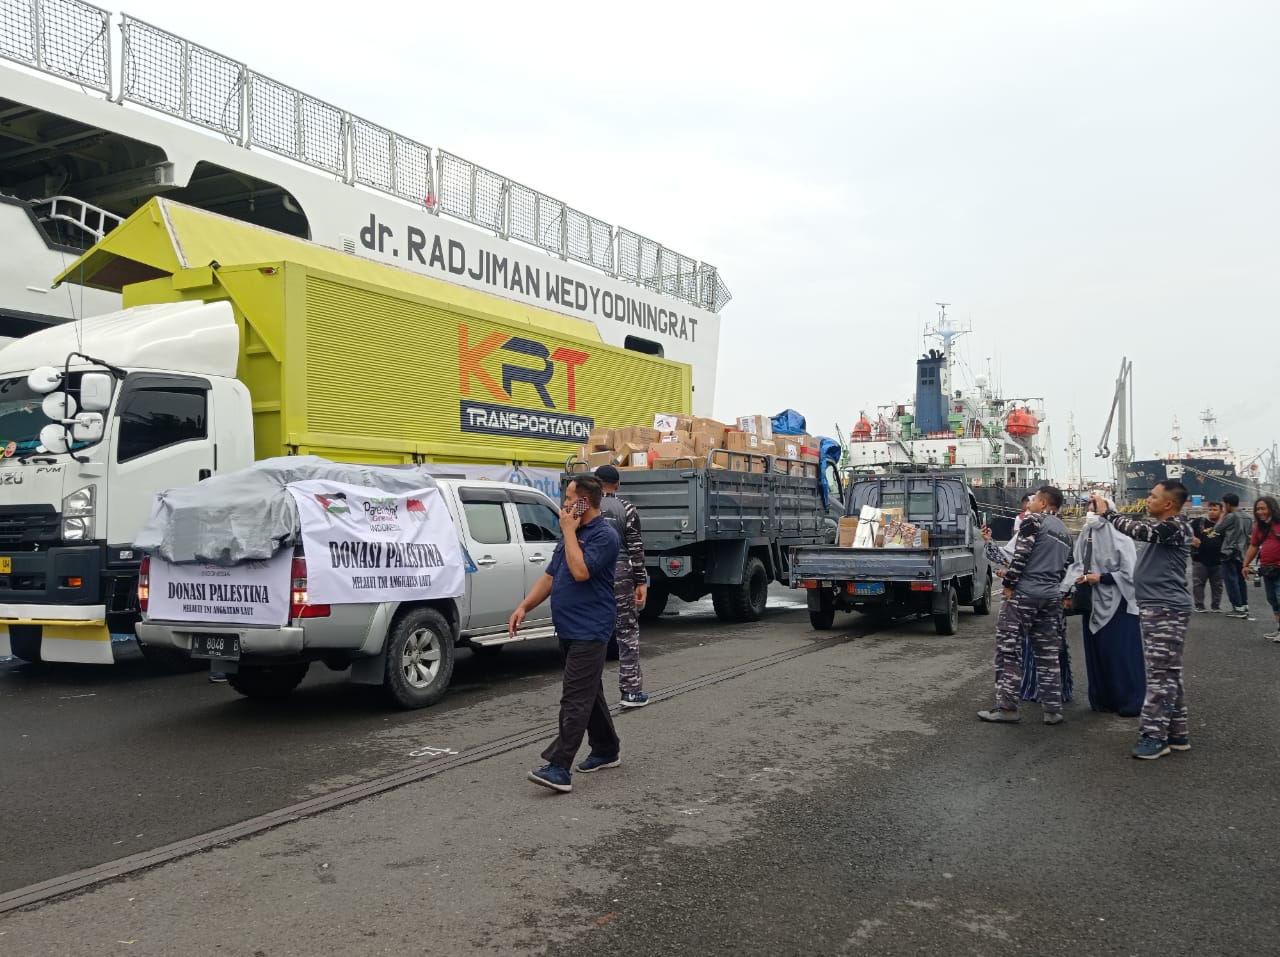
{"x":880,"y":528}
{"x":674,"y":440}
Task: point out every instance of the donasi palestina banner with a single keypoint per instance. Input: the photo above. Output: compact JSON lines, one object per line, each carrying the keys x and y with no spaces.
{"x":251,"y":593}
{"x":365,"y":545}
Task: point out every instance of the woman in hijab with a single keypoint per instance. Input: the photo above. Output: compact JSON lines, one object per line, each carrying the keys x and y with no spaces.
{"x":1105,"y":559}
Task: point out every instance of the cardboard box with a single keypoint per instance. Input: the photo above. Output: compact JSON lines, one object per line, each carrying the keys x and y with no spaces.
{"x":847,"y":532}
{"x":678,"y":463}
{"x":704,"y":443}
{"x":601,"y":439}
{"x":597,"y":459}
{"x":636,"y":435}
{"x":760,"y":425}
{"x":677,"y":435}
{"x":787,"y":448}
{"x":672,"y":450}
{"x":712,"y":427}
{"x":742,"y":442}
{"x":636,"y":460}
{"x":631,"y":454}
{"x":666,"y":422}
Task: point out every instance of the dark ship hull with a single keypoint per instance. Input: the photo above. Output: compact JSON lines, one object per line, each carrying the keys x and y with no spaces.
{"x":1001,"y":504}
{"x":1209,"y":478}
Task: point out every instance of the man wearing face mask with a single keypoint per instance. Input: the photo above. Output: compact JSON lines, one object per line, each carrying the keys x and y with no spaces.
{"x":579,"y":581}
{"x":1033,"y":604}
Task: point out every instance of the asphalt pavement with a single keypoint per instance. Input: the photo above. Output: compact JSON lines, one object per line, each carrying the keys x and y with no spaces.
{"x":788,"y":792}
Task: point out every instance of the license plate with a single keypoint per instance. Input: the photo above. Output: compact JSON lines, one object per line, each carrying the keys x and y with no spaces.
{"x":867,"y":588}
{"x":216,"y":646}
{"x":6,"y":565}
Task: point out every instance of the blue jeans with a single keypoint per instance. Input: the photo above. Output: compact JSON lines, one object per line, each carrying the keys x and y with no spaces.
{"x":1233,"y":579}
{"x":1271,"y":587}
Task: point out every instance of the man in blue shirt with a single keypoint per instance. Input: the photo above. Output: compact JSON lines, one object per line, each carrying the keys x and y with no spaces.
{"x":579,"y":580}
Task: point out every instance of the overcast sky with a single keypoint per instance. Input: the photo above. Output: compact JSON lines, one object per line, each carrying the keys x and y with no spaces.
{"x":1081,"y":180}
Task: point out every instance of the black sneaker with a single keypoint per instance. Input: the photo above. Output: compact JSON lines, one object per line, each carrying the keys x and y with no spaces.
{"x":1149,"y":749}
{"x":554,"y":777}
{"x":598,"y":762}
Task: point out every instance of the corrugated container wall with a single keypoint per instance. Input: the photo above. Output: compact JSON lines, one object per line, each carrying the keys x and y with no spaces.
{"x":359,"y":372}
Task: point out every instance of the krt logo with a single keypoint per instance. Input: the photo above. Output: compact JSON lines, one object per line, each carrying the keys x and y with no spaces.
{"x":471,"y":366}
{"x":477,"y":364}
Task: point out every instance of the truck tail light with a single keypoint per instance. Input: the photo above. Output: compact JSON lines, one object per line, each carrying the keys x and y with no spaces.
{"x":922,"y":586}
{"x":299,"y":606}
{"x":810,"y":583}
{"x":144,"y":583}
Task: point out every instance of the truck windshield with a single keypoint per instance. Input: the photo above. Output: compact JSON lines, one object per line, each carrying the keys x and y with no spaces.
{"x":21,"y":418}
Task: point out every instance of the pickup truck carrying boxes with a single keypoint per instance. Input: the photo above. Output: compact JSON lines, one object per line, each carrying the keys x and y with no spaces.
{"x":720,"y":506}
{"x":909,"y":543}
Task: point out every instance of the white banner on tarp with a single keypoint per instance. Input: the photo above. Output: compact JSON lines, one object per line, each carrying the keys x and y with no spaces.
{"x":365,"y":545}
{"x":251,"y":593}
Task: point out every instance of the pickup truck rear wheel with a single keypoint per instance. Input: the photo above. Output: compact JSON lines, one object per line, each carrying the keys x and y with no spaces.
{"x":983,"y":605}
{"x":419,"y":659}
{"x":823,"y":618}
{"x":948,"y":622}
{"x":744,"y":602}
{"x":269,"y":682}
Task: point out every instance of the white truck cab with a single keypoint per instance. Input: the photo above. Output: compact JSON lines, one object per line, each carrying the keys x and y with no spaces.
{"x":175,"y":414}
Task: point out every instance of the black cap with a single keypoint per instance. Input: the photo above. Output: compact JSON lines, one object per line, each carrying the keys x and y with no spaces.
{"x":608,"y":475}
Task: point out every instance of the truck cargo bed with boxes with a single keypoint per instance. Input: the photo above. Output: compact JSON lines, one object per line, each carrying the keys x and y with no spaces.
{"x":720,"y":506}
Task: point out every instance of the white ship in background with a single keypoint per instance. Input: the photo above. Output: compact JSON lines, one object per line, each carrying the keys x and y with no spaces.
{"x":995,"y":440}
{"x":100,"y":113}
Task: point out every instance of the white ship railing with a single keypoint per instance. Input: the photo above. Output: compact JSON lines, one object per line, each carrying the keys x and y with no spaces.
{"x":164,"y":72}
{"x":67,"y":38}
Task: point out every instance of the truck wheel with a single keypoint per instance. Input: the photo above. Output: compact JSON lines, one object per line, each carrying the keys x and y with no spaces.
{"x":655,"y":604}
{"x":24,"y":642}
{"x":983,"y":605}
{"x":744,"y":602}
{"x":419,"y":659}
{"x":269,"y":682}
{"x":823,"y":618}
{"x":948,"y":622}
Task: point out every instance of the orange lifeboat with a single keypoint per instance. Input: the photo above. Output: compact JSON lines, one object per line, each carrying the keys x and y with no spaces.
{"x":1022,"y":424}
{"x":862,"y":431}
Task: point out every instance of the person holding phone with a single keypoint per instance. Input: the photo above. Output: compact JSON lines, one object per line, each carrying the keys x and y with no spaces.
{"x":1164,"y":610}
{"x":579,"y":581}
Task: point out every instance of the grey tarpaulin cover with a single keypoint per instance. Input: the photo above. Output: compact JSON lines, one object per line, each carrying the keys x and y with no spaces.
{"x":249,"y":515}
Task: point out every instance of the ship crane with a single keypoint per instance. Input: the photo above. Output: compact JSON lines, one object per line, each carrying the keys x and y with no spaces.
{"x":1122,"y":415}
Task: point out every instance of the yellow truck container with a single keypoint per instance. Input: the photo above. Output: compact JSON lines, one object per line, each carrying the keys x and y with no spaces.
{"x":359,"y":361}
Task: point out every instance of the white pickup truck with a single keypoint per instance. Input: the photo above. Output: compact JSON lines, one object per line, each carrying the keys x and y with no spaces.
{"x":509,"y":531}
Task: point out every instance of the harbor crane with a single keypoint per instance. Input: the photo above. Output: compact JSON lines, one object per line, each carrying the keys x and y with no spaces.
{"x":1122,"y":416}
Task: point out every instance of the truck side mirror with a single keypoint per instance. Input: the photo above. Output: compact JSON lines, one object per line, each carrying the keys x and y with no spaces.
{"x":95,"y":391}
{"x":89,"y":427}
{"x":44,"y":380}
{"x":53,"y":437}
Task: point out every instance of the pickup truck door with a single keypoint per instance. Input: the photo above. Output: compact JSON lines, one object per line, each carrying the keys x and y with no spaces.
{"x":540,"y":531}
{"x":498,"y":584}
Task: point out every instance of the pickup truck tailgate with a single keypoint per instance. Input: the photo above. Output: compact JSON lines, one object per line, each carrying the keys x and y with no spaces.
{"x":815,"y":562}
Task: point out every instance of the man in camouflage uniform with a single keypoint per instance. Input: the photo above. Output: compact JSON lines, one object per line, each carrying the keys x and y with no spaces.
{"x":1033,"y":605}
{"x":630,"y":586}
{"x":1164,"y":610}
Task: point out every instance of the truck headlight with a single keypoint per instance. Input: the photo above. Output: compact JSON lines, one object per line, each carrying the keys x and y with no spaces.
{"x":77,"y":529}
{"x":78,"y":511}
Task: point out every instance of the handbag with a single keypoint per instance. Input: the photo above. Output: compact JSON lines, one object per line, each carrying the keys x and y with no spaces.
{"x":1081,"y":593}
